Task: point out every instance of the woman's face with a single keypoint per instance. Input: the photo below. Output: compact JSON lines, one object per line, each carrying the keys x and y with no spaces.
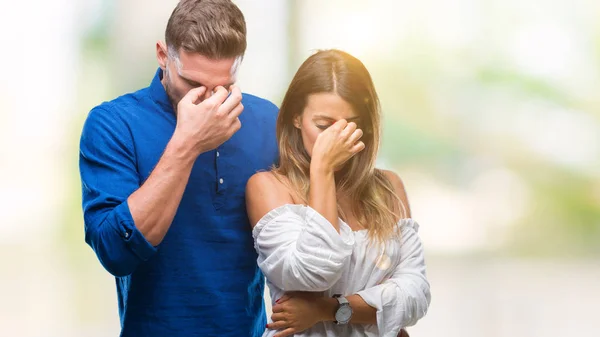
{"x":321,"y":111}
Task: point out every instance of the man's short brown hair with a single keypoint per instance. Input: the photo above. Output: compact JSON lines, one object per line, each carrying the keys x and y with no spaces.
{"x":214,"y":28}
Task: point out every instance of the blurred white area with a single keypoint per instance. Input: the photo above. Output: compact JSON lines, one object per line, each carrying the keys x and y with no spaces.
{"x":264,"y":71}
{"x":517,"y":298}
{"x":38,"y":80}
{"x":47,"y":79}
{"x":471,"y":219}
{"x":37,"y":87}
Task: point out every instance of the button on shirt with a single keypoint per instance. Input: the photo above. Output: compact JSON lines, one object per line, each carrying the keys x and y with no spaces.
{"x":202,"y":279}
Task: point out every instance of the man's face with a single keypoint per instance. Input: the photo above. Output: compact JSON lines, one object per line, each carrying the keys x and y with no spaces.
{"x":186,"y":71}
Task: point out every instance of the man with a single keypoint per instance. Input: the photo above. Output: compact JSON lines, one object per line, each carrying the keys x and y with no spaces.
{"x":163,"y":173}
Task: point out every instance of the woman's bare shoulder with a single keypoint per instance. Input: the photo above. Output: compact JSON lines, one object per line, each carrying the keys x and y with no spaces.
{"x":265,"y":192}
{"x":399,"y":188}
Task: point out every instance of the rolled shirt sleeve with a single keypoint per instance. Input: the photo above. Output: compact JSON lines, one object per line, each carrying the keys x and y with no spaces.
{"x":108,"y":177}
{"x":299,"y":250}
{"x":404,"y":298}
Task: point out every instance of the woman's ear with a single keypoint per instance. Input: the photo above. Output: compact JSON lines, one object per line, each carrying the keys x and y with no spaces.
{"x":298,"y":122}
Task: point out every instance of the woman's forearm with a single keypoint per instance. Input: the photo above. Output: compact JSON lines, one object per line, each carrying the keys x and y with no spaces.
{"x":322,"y":193}
{"x":362,"y":313}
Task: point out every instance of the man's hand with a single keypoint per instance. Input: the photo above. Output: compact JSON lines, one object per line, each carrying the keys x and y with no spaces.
{"x":298,"y":311}
{"x":206,"y":125}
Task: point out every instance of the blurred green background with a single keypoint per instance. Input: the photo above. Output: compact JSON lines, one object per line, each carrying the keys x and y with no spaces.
{"x":491,"y":117}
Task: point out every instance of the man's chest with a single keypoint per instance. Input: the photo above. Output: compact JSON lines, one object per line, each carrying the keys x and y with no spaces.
{"x":217,"y":174}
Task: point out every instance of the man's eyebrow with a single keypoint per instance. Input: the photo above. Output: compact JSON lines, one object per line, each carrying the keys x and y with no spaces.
{"x":190,"y":80}
{"x":198,"y":84}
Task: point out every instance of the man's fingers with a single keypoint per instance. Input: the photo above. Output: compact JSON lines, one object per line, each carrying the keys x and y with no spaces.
{"x":235,"y":127}
{"x":286,"y":332}
{"x":237,"y":111}
{"x":194,"y":95}
{"x":218,"y":97}
{"x":234,"y":99}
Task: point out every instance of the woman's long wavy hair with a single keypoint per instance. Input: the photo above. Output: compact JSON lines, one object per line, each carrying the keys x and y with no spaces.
{"x":373,"y":200}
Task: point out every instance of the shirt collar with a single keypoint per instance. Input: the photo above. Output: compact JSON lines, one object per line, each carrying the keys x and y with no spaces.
{"x":158,"y":92}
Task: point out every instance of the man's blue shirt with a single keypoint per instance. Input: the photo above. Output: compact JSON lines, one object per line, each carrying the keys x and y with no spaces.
{"x":202,"y":279}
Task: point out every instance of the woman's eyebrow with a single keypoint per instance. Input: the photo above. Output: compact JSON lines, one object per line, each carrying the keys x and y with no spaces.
{"x":333,"y":119}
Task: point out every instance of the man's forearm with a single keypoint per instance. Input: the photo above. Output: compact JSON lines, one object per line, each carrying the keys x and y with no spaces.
{"x":154,"y":204}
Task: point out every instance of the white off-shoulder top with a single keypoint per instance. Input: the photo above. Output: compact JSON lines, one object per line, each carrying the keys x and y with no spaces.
{"x":299,"y":250}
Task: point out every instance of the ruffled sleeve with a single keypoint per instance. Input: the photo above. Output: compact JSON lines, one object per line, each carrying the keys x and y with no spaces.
{"x":299,"y":250}
{"x":404,"y":298}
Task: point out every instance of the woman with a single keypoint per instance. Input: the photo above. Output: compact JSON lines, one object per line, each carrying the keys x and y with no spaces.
{"x":333,"y":233}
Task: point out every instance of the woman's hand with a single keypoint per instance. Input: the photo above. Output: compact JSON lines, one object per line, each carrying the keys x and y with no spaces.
{"x":336,"y":145}
{"x":298,"y":311}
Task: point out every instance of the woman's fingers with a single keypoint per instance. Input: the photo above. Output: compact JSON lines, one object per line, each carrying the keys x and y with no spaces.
{"x":283,"y":299}
{"x":279,"y":325}
{"x":286,"y":332}
{"x":355,"y":136}
{"x":348,"y":130}
{"x":339,"y":125}
{"x":357,"y":147}
{"x":277,"y":308}
{"x":278,"y":316}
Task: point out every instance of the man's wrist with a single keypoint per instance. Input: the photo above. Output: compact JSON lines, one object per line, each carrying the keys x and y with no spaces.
{"x":181,"y":150}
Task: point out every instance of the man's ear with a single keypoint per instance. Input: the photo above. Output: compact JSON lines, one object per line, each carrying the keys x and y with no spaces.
{"x":162,"y":55}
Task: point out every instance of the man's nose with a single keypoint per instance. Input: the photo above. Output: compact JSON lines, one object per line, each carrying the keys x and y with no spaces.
{"x":209,"y":92}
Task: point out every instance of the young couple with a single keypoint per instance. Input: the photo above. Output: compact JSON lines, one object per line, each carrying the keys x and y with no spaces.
{"x":175,"y":209}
